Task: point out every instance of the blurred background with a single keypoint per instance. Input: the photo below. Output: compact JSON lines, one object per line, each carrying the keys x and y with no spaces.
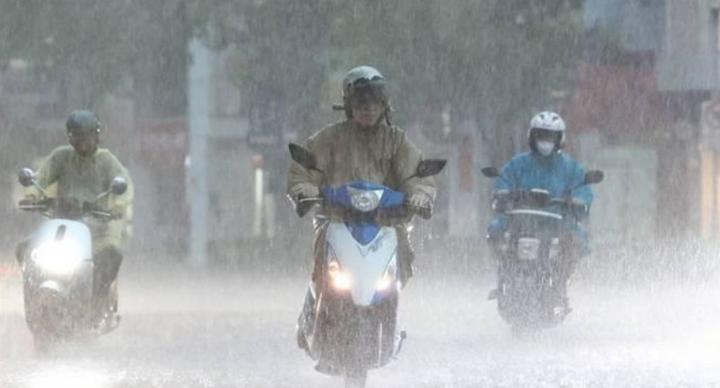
{"x":201,"y":98}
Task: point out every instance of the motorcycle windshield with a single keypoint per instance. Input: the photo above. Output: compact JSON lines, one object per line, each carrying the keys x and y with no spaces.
{"x":538,"y":223}
{"x":363,"y":197}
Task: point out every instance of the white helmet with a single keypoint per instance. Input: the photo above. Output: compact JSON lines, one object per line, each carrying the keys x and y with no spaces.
{"x":547,"y":121}
{"x":550,"y":121}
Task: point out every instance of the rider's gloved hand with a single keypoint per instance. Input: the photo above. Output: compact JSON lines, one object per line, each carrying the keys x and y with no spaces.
{"x":421,"y":204}
{"x":579,"y":205}
{"x":305,"y":190}
{"x":89,"y":207}
{"x":302,"y":191}
{"x":117,"y":213}
{"x":29,"y":200}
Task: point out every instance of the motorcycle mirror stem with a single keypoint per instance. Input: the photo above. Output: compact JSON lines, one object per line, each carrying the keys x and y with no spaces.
{"x":493,"y":173}
{"x":26,"y":177}
{"x":591,"y":177}
{"x":118,"y":186}
{"x":303,"y":157}
{"x":427,"y":167}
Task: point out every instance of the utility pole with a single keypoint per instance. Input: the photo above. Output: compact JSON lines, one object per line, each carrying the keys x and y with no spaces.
{"x":199,"y":122}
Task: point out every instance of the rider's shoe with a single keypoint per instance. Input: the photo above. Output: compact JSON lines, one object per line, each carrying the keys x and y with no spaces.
{"x":493,"y":295}
{"x":327,"y":369}
{"x":107,"y":322}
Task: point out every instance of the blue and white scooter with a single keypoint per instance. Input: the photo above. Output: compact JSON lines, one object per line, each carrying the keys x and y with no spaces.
{"x":353,"y":326}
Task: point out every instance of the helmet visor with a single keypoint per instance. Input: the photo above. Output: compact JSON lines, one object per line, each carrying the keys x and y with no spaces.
{"x":364,"y":90}
{"x":540,"y":134}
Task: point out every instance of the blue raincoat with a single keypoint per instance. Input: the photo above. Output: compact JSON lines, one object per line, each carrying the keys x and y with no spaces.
{"x":557,"y":173}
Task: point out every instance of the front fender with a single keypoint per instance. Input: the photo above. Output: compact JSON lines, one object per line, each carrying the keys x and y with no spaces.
{"x":53,"y":286}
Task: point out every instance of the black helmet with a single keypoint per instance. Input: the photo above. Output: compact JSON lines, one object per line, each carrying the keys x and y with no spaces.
{"x":82,"y":122}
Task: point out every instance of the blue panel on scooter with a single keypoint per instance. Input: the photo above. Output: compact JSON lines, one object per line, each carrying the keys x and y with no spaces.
{"x":363,"y":232}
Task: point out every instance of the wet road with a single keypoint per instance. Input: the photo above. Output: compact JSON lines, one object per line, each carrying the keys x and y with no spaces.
{"x":189,"y":329}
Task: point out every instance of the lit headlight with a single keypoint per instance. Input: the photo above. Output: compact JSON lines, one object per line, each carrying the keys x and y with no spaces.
{"x":389,"y":277}
{"x":365,"y":200}
{"x":338,"y":278}
{"x":57,"y":257}
{"x":528,"y":248}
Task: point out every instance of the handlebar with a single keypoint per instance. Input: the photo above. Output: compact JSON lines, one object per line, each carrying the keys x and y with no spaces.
{"x":66,"y":207}
{"x":393,"y":215}
{"x":536,"y":199}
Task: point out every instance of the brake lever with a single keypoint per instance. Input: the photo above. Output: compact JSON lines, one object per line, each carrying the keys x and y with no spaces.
{"x":107,"y":216}
{"x":32,"y":207}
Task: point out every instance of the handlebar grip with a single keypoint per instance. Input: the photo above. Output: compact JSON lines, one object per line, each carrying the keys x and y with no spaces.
{"x":423,"y":212}
{"x":32,"y":207}
{"x":304,"y":204}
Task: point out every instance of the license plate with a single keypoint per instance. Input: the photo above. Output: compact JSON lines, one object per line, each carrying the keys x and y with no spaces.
{"x":528,"y":248}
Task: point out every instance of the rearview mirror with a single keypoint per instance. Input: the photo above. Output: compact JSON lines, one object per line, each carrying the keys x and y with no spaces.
{"x":594,"y":176}
{"x":430,"y":167}
{"x":490,"y":172}
{"x":303,"y":157}
{"x":26,"y":177}
{"x":118,"y":186}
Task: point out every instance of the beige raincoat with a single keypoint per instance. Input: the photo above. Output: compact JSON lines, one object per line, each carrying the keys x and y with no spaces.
{"x":383,"y":155}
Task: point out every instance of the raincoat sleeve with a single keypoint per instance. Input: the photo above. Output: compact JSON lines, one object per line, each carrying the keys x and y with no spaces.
{"x":299,"y":178}
{"x":505,"y":182}
{"x":405,"y":161}
{"x":583,"y":193}
{"x":507,"y":179}
{"x":120,"y":205}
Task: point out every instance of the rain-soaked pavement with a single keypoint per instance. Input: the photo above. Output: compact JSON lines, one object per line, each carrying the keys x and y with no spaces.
{"x":190,"y":329}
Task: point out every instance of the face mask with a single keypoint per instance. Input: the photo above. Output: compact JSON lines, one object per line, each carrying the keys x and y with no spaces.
{"x":545,"y":148}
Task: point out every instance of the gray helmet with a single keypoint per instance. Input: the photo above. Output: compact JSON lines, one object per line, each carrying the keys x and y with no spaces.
{"x":364,"y":81}
{"x":82,"y":122}
{"x":360,"y":78}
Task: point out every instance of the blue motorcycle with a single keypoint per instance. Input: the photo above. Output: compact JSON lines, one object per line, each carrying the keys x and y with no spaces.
{"x":533,"y":253}
{"x":354,"y":325}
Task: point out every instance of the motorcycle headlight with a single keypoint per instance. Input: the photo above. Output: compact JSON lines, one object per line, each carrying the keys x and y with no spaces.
{"x":528,"y":248}
{"x":57,"y":257}
{"x":389,"y":278}
{"x":339,"y":279}
{"x":365,"y":200}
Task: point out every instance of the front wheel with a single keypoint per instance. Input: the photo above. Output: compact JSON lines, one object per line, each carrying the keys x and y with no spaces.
{"x":43,"y":342}
{"x":355,"y":378}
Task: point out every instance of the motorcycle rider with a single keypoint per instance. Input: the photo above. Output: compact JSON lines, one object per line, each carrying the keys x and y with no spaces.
{"x":83,"y":171}
{"x":366,"y":146}
{"x":547,"y":167}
